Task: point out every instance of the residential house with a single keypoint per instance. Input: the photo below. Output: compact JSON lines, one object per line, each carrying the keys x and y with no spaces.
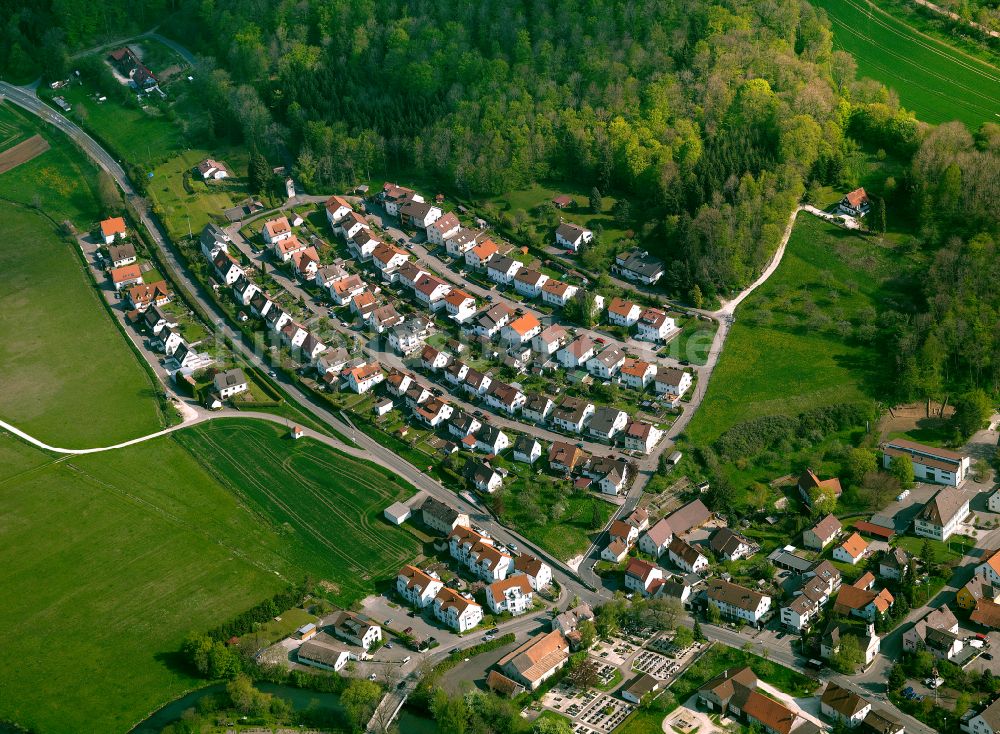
{"x":716,"y":694}
{"x":822,"y":533}
{"x":638,"y":266}
{"x":577,"y":352}
{"x":606,"y":364}
{"x":611,"y":474}
{"x":349,"y":225}
{"x":441,"y":517}
{"x":863,"y":603}
{"x":491,"y":440}
{"x":432,"y":359}
{"x":363,"y":304}
{"x":986,"y":721}
{"x":880,"y":722}
{"x":641,"y":436}
{"x":212,"y":169}
{"x":212,"y":239}
{"x":479,"y":256}
{"x":227,"y":269}
{"x":538,"y":573}
{"x":830,"y":642}
{"x":463,"y":425}
{"x":894,"y":564}
{"x":456,"y":372}
{"x":456,"y":611}
{"x":623,"y":313}
{"x":637,"y":374}
{"x":736,"y":602}
{"x":639,"y":519}
{"x":387,"y":259}
{"x":527,"y":449}
{"x":673,"y":383}
{"x":730,"y":545}
{"x":476,"y":383}
{"x":336,"y":209}
{"x":607,"y":422}
{"x":125,"y":276}
{"x":362,"y":244}
{"x":155,"y":320}
{"x":142,"y":296}
{"x":112,"y":229}
{"x":355,"y":629}
{"x":447,"y":225}
{"x":406,"y":338}
{"x":521,"y":330}
{"x":843,"y":705}
{"x":537,"y":660}
{"x":572,"y":413}
{"x":483,"y":477}
{"x":642,"y":576}
{"x":851,"y":550}
{"x":565,"y":457}
{"x":512,"y":594}
{"x":930,"y":464}
{"x":504,"y":397}
{"x":562,"y":201}
{"x":363,"y":378}
{"x":549,"y":340}
{"x":686,"y":557}
{"x":537,"y":408}
{"x":654,"y":325}
{"x":623,"y":531}
{"x":557,"y":293}
{"x":245,"y":289}
{"x":169,"y":339}
{"x":657,"y":539}
{"x":810,"y":486}
{"x":459,"y":305}
{"x":417,"y":587}
{"x":433,"y":412}
{"x":275,"y":230}
{"x":854,"y":204}
{"x":430,"y":292}
{"x":393,"y":197}
{"x":615,"y":551}
{"x":942,"y":515}
{"x":502,"y":269}
{"x":229,"y":383}
{"x":572,"y":236}
{"x":383,"y":318}
{"x":342,"y":291}
{"x":120,"y":255}
{"x":943,"y":623}
{"x":326,"y":653}
{"x":419,"y":214}
{"x":489,"y":321}
{"x":529,"y":282}
{"x":462,"y":241}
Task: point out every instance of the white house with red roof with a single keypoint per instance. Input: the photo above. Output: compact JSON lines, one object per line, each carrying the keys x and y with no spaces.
{"x":642,"y":576}
{"x":417,"y":587}
{"x":446,"y":226}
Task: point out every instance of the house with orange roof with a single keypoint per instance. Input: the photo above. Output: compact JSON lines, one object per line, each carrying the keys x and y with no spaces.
{"x":336,"y":209}
{"x":478,"y":257}
{"x":145,"y":295}
{"x":851,"y":550}
{"x":417,"y":587}
{"x":387,"y":259}
{"x":306,"y":262}
{"x":112,"y":229}
{"x":642,"y":576}
{"x":275,"y":230}
{"x":863,"y":603}
{"x":810,"y":483}
{"x":286,"y":247}
{"x":343,"y":290}
{"x":363,"y":378}
{"x":623,"y":313}
{"x":522,"y":329}
{"x":855,"y":203}
{"x":125,"y":276}
{"x":637,"y":373}
{"x":459,"y":305}
{"x":512,"y":594}
{"x":457,"y":611}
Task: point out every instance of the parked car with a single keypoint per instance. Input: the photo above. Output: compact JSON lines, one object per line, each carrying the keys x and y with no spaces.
{"x":987,"y":656}
{"x":388,"y":622}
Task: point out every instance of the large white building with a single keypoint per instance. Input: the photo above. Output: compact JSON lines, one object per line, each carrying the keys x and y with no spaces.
{"x":736,"y":602}
{"x":942,"y":515}
{"x":930,"y":464}
{"x":417,"y":587}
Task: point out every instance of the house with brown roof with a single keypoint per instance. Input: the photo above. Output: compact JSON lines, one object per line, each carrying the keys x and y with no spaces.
{"x":123,"y":254}
{"x":572,"y":414}
{"x":577,"y":352}
{"x":867,"y":604}
{"x":943,"y":514}
{"x":657,"y":539}
{"x":538,"y":573}
{"x":572,"y":236}
{"x":417,"y":587}
{"x":737,"y":602}
{"x":716,"y":694}
{"x":642,"y":576}
{"x":457,"y":611}
{"x":822,"y":533}
{"x":686,"y":557}
{"x":512,"y":594}
{"x":537,"y":660}
{"x":623,"y":313}
{"x":565,"y":457}
{"x":443,"y":228}
{"x":692,"y":515}
{"x":502,"y":685}
{"x":641,"y":436}
{"x":730,"y":545}
{"x":810,"y":484}
{"x":557,"y":293}
{"x":145,"y":295}
{"x":842,"y":705}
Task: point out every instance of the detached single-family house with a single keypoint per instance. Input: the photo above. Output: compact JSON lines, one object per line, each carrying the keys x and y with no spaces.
{"x":565,"y":457}
{"x":459,"y":305}
{"x":441,"y":517}
{"x":521,"y":330}
{"x":212,"y":239}
{"x":212,"y":169}
{"x":641,"y":436}
{"x":483,"y":477}
{"x":502,"y":269}
{"x":730,"y":545}
{"x":491,"y":440}
{"x":479,"y":256}
{"x":529,"y":282}
{"x":577,"y":352}
{"x":851,"y":550}
{"x":572,"y":413}
{"x":855,"y":204}
{"x":275,"y":230}
{"x":537,"y":660}
{"x":657,"y":539}
{"x":112,"y":229}
{"x":363,"y":378}
{"x":638,"y":266}
{"x":125,"y":276}
{"x":229,"y":383}
{"x":637,"y":373}
{"x":642,"y":576}
{"x":393,"y":197}
{"x":444,"y":227}
{"x":686,"y":557}
{"x":549,"y":340}
{"x":572,"y":237}
{"x":843,"y":705}
{"x":362,"y":244}
{"x":144,"y":295}
{"x":527,"y":449}
{"x":537,"y":408}
{"x":655,"y":325}
{"x":419,"y":214}
{"x":430,"y":291}
{"x":557,"y":293}
{"x":538,"y":573}
{"x":336,"y":209}
{"x":606,"y":364}
{"x":123,"y":254}
{"x":504,"y":397}
{"x":607,"y":422}
{"x":822,"y":533}
{"x":943,"y":514}
{"x":672,"y":383}
{"x":623,"y":313}
{"x":343,"y":290}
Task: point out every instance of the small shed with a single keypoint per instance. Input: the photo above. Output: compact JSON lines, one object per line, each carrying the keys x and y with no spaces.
{"x":397,"y":513}
{"x":383,"y":407}
{"x":297,"y":432}
{"x":306,"y":631}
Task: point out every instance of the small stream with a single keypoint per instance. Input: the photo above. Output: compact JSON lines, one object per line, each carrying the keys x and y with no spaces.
{"x":299,"y":699}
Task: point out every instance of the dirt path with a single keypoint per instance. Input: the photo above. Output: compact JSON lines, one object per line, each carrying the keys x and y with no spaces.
{"x":22,"y":152}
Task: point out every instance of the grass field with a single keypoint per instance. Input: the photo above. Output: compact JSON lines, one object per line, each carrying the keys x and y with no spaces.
{"x":107,"y":566}
{"x":326,"y":504}
{"x":184,"y":212}
{"x":69,"y":377}
{"x":785,"y":354}
{"x":62,"y":181}
{"x":146,"y":556}
{"x":936,"y":80}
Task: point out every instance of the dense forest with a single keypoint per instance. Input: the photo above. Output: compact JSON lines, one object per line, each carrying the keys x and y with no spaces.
{"x":712,"y":117}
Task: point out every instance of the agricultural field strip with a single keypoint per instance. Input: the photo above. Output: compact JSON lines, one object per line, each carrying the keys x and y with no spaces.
{"x":254,"y":480}
{"x":89,"y":478}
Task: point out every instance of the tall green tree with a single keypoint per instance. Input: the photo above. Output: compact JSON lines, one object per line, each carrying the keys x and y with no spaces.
{"x":596,"y":201}
{"x":258,"y":172}
{"x":971,"y":412}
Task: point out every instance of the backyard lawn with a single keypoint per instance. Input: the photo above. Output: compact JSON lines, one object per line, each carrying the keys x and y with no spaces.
{"x":183,"y":211}
{"x":794,"y":345}
{"x":69,"y":377}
